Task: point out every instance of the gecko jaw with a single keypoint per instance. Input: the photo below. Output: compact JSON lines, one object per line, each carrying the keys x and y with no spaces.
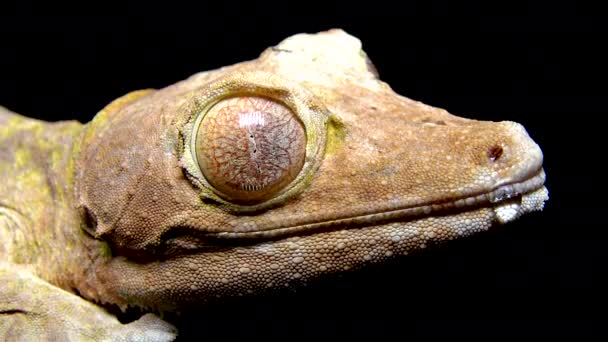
{"x":511,"y":207}
{"x":508,"y":201}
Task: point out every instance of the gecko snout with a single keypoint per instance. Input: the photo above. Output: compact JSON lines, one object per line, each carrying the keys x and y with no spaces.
{"x":516,"y":157}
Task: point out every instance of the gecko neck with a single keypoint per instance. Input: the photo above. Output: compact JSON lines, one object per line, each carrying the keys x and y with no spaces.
{"x":38,"y":215}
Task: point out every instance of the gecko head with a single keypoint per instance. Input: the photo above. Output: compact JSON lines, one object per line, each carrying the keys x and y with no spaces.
{"x":275,"y":171}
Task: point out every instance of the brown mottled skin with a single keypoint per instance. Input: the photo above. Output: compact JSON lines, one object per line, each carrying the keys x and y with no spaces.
{"x":119,"y":212}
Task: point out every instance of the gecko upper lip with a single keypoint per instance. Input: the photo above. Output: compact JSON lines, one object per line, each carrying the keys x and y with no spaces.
{"x":388,"y":213}
{"x":509,"y":190}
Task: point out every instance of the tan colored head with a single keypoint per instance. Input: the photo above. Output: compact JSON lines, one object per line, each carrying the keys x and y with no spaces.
{"x":275,"y":171}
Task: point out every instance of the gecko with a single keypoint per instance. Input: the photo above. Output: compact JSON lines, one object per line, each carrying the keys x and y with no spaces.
{"x":252,"y":177}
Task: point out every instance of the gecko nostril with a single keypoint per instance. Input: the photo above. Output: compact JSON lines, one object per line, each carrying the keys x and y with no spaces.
{"x":495,"y":152}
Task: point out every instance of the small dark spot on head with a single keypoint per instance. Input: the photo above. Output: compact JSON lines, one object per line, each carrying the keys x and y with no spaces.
{"x":435,"y":122}
{"x":89,"y":219}
{"x":495,"y":152}
{"x":207,"y":200}
{"x":276,"y":49}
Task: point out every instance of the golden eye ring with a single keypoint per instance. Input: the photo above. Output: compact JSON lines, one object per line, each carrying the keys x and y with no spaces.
{"x":253,"y":139}
{"x":249,"y":147}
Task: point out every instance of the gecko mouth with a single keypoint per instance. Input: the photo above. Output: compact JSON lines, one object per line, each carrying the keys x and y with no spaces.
{"x":508,"y":201}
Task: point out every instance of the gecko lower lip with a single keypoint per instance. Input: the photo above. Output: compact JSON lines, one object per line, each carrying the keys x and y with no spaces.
{"x":502,"y":199}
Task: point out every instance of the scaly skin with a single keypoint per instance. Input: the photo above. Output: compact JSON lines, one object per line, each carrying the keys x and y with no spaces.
{"x":119,"y":211}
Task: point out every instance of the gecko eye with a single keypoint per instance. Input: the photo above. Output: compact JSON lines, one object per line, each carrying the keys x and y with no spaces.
{"x":250,"y":147}
{"x":252,"y":139}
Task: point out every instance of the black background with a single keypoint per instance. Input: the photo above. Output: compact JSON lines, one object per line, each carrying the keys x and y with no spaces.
{"x":541,"y":65}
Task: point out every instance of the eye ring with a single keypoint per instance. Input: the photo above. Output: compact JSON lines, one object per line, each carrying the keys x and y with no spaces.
{"x":249,"y":147}
{"x":310,"y":113}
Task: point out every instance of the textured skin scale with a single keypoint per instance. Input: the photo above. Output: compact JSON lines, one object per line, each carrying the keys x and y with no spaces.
{"x":141,"y":227}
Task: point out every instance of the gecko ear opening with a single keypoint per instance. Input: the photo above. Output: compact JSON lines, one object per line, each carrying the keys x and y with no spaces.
{"x":89,"y":219}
